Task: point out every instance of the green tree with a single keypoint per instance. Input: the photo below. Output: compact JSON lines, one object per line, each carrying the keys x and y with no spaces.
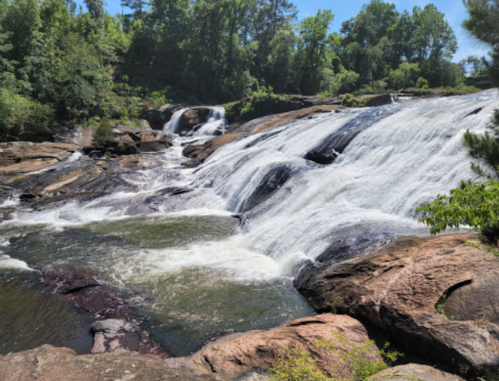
{"x":483,"y":24}
{"x":313,"y":33}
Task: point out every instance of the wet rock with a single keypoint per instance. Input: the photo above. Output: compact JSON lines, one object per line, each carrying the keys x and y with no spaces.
{"x":414,"y":372}
{"x":379,"y":100}
{"x":114,"y":335}
{"x":336,"y":143}
{"x":349,"y":247}
{"x":274,"y":179}
{"x":237,"y":354}
{"x":27,"y":156}
{"x":436,"y":297}
{"x":120,"y":331}
{"x":48,"y":363}
{"x":191,"y":118}
{"x":199,"y":153}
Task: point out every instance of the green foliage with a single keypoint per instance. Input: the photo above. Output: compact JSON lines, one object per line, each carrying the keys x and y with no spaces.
{"x":350,"y":100}
{"x":334,"y":301}
{"x":485,"y":147}
{"x":483,"y":24}
{"x":103,"y":134}
{"x":296,"y":364}
{"x":261,"y":103}
{"x":405,"y":76}
{"x":422,"y":83}
{"x":490,"y":250}
{"x":16,"y":111}
{"x":473,"y":204}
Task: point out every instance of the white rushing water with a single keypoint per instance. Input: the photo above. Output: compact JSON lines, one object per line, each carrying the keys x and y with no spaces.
{"x":406,"y":154}
{"x":215,"y":124}
{"x":172,"y":125}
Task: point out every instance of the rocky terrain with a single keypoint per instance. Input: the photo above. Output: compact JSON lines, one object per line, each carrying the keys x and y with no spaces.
{"x":434,"y":298}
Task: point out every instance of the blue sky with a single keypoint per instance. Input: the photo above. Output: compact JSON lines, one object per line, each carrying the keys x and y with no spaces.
{"x":454,"y":11}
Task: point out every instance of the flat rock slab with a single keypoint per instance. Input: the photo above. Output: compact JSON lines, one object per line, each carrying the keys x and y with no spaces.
{"x":48,"y":363}
{"x":414,"y":372}
{"x":237,"y":354}
{"x":436,"y":297}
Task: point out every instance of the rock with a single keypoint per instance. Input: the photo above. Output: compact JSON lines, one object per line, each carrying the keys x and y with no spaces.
{"x":337,"y":142}
{"x":401,"y":289}
{"x":75,"y":134}
{"x":237,"y":354}
{"x":414,"y":372}
{"x":275,"y":178}
{"x":379,"y":100}
{"x":36,"y":133}
{"x":27,"y":156}
{"x":144,"y":125}
{"x":348,"y":247}
{"x":192,"y":118}
{"x":48,"y":363}
{"x":199,"y":153}
{"x":113,"y":335}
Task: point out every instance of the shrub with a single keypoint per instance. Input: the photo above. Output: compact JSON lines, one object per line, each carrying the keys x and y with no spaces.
{"x":296,"y":364}
{"x":103,"y":134}
{"x":350,"y":100}
{"x":422,"y":83}
{"x":16,"y":110}
{"x":261,"y":103}
{"x":473,"y":204}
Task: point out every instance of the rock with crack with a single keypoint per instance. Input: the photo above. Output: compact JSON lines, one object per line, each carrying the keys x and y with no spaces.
{"x":414,"y":372}
{"x":436,"y":297}
{"x":237,"y":354}
{"x":48,"y":363}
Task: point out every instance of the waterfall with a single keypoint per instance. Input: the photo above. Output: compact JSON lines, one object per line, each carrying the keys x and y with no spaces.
{"x":172,"y":125}
{"x":409,"y":155}
{"x":215,"y":124}
{"x":386,"y":161}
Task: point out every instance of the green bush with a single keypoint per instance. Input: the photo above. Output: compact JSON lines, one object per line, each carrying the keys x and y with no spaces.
{"x":473,"y":204}
{"x":350,"y":100}
{"x":16,"y":111}
{"x":261,"y":103}
{"x":296,"y":364}
{"x":103,"y":134}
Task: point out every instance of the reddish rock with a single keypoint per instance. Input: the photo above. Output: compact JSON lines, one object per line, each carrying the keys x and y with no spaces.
{"x":400,"y":288}
{"x":48,"y":363}
{"x":414,"y":372}
{"x":234,"y":355}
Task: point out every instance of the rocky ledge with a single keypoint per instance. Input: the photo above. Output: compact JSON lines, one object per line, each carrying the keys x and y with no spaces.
{"x":434,"y":297}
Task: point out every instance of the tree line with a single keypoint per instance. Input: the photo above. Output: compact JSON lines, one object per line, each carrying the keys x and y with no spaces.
{"x":59,"y":62}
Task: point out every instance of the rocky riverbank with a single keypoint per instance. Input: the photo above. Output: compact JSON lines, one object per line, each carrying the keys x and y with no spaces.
{"x":433,"y":297}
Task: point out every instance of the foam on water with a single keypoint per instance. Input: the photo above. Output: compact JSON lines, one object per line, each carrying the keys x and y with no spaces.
{"x":9,"y":263}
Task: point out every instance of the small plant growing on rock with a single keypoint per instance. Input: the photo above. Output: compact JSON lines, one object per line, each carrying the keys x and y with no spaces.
{"x":333,"y":303}
{"x":351,"y":362}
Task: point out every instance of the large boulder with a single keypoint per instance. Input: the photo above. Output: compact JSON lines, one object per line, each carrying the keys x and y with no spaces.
{"x":436,"y":297}
{"x":48,"y":363}
{"x":415,"y":372}
{"x":27,"y":156}
{"x":191,"y":118}
{"x":199,"y":153}
{"x":234,"y":355}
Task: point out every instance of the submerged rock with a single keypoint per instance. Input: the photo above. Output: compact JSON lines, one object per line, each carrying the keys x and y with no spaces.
{"x":237,"y":354}
{"x":48,"y":363}
{"x":436,"y":297}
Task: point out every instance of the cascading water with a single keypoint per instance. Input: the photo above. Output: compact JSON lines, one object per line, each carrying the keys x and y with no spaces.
{"x":215,"y":124}
{"x":195,"y":273}
{"x":172,"y":125}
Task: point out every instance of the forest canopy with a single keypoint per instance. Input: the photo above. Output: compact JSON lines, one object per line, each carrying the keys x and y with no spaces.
{"x":59,"y":62}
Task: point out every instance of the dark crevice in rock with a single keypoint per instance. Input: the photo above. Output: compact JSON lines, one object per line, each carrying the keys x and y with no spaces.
{"x":441,"y":301}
